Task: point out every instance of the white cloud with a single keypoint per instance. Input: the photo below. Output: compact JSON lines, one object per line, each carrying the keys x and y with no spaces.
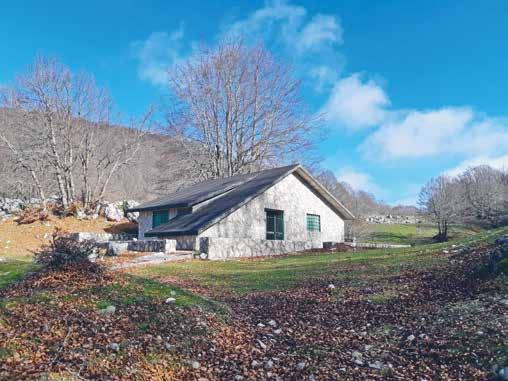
{"x":447,"y":131}
{"x":157,"y":54}
{"x":276,"y":18}
{"x":286,"y":24}
{"x":499,"y":162}
{"x":358,"y":180}
{"x":322,"y":75}
{"x":322,"y":29}
{"x":356,"y":104}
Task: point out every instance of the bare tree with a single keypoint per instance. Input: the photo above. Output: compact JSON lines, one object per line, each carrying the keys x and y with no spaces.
{"x":240,"y":107}
{"x":66,"y":124}
{"x":484,"y":190}
{"x":439,"y":199}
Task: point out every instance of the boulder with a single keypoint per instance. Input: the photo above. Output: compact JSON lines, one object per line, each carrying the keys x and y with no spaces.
{"x":112,"y":213}
{"x":131,"y":216}
{"x":117,"y":248}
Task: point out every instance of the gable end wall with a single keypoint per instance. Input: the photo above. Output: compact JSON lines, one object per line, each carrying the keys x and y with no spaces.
{"x":296,"y":199}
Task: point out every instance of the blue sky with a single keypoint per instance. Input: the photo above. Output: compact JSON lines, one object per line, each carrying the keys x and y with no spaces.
{"x":410,"y":90}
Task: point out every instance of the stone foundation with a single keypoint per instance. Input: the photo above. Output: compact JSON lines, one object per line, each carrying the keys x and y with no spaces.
{"x":227,"y":248}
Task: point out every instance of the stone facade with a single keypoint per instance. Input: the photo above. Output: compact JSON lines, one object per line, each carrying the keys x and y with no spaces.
{"x":296,"y":200}
{"x":227,"y":248}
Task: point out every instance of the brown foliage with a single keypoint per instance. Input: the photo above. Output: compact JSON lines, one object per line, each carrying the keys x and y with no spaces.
{"x":64,"y":252}
{"x":31,"y":215}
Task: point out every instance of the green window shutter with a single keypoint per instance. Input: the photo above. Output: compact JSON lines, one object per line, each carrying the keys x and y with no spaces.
{"x":313,"y":222}
{"x":274,"y":225}
{"x":159,"y":217}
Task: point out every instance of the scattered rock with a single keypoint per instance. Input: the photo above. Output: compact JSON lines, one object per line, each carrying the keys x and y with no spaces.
{"x":269,"y":364}
{"x":170,"y":301}
{"x":195,"y":365}
{"x":114,"y":347}
{"x":300,"y":365}
{"x":356,"y":355}
{"x":272,"y":323}
{"x":109,"y":310}
{"x":254,"y":364}
{"x":261,"y":325}
{"x":331,"y":287}
{"x":278,"y":331}
{"x":410,"y":338}
{"x":262,"y":345}
{"x":376,"y":365}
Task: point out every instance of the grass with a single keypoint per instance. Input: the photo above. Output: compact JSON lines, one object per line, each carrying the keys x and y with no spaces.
{"x":280,"y":273}
{"x":13,"y":270}
{"x":411,"y":234}
{"x":270,"y":274}
{"x":137,"y":290}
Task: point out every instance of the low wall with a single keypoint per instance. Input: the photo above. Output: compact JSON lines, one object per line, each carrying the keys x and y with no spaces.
{"x":226,"y":248}
{"x":159,"y":245}
{"x":100,"y":237}
{"x":366,"y":245}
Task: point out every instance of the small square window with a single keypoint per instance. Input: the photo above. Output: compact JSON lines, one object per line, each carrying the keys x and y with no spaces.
{"x":159,"y":217}
{"x":313,"y":222}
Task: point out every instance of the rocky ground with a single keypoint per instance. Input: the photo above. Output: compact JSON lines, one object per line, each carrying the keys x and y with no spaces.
{"x":445,"y":321}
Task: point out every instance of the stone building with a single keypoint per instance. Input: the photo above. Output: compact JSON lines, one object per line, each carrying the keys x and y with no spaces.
{"x":264,"y":213}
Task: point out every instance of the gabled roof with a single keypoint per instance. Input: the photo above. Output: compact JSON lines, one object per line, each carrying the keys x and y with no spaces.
{"x":194,"y":194}
{"x":225,"y":196}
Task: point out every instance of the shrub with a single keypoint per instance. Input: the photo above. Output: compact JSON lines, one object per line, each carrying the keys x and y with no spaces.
{"x":67,"y":252}
{"x":30,"y":215}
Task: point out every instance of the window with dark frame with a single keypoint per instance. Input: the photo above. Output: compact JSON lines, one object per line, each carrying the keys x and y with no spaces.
{"x":274,"y":224}
{"x":313,"y":222}
{"x":159,"y":217}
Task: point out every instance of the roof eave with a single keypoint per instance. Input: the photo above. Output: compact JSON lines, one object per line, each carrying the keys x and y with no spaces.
{"x":339,"y":207}
{"x":171,"y":233}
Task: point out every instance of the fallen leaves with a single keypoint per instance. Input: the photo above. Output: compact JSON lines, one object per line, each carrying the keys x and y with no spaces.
{"x":444,"y":322}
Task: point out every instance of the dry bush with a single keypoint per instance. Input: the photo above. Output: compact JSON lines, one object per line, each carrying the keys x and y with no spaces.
{"x":64,"y":252}
{"x":31,"y":215}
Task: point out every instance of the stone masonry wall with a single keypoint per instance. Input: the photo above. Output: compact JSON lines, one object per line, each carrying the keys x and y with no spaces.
{"x":296,"y":199}
{"x":227,"y":248}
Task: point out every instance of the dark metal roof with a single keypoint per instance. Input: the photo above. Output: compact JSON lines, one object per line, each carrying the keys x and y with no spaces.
{"x":247,"y":187}
{"x":195,"y":194}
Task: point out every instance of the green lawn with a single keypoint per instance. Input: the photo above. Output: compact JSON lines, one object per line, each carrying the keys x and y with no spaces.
{"x":273,"y":273}
{"x":411,"y":234}
{"x":12,"y":271}
{"x":279,"y":273}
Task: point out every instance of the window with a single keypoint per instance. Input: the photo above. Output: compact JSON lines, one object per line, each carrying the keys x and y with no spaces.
{"x":313,"y":223}
{"x":274,"y":224}
{"x":159,"y":217}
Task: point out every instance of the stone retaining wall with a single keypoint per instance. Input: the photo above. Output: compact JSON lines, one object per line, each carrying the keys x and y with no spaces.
{"x":366,"y":245}
{"x":159,"y":245}
{"x":227,"y":248}
{"x":100,"y":237}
